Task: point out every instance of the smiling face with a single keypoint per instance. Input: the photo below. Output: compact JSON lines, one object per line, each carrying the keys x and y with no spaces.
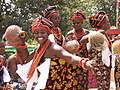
{"x":40,"y":35}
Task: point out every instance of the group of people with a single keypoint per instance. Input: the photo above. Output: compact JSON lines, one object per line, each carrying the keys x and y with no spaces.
{"x":59,"y":62}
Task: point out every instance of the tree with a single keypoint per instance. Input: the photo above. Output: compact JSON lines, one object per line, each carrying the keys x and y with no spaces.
{"x":22,"y":12}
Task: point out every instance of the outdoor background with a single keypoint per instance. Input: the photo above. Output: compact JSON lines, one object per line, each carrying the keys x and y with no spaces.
{"x":22,"y":12}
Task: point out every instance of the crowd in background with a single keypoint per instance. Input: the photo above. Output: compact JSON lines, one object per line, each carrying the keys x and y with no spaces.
{"x":80,"y":60}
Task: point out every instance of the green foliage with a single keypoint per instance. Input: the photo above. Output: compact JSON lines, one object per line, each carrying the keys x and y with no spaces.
{"x":22,"y":12}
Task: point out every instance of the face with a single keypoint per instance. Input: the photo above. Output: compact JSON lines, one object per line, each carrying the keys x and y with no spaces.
{"x":77,"y":23}
{"x":55,"y":19}
{"x":2,"y":48}
{"x":106,"y":24}
{"x":40,"y":35}
{"x":15,"y":42}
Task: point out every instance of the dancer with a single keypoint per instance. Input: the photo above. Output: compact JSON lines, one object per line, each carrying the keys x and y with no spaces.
{"x":16,"y":37}
{"x":4,"y":76}
{"x":116,"y":58}
{"x":49,"y":58}
{"x":52,"y":14}
{"x":102,"y":65}
{"x":73,"y":45}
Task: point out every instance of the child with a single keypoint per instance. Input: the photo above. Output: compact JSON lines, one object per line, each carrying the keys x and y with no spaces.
{"x":4,"y":76}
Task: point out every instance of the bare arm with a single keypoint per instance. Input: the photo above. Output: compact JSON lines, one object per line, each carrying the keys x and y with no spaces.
{"x":84,"y":39}
{"x":68,"y":57}
{"x":12,"y":67}
{"x":30,"y":57}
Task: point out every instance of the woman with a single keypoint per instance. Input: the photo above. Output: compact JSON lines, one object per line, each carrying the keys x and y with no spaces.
{"x":74,"y":36}
{"x":55,"y":56}
{"x":100,"y":22}
{"x":102,"y":65}
{"x":116,"y":58}
{"x":16,"y":37}
{"x":52,"y":14}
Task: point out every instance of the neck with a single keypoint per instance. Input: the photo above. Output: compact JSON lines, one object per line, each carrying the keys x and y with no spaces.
{"x":22,"y":53}
{"x":79,"y":30}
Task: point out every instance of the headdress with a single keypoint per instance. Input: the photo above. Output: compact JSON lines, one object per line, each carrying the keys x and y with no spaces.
{"x":42,"y":22}
{"x":49,"y":11}
{"x":77,"y":14}
{"x":97,"y":19}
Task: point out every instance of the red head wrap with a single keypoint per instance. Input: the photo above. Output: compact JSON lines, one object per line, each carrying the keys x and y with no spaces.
{"x":79,"y":15}
{"x":41,"y":22}
{"x":49,"y":11}
{"x":97,"y":19}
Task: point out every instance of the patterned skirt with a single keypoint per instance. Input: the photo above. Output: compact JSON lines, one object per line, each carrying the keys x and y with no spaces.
{"x":64,"y":76}
{"x":102,"y":74}
{"x":117,"y":74}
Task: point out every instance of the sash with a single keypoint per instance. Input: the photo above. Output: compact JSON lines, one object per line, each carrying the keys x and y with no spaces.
{"x":37,"y":57}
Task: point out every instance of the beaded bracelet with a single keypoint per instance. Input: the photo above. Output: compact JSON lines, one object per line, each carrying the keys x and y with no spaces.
{"x":84,"y":63}
{"x":81,"y":61}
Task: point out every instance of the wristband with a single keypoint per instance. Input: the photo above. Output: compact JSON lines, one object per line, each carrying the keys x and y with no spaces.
{"x":84,"y":63}
{"x":80,"y":62}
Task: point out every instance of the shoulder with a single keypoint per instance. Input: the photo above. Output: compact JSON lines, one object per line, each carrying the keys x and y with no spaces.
{"x":86,"y":31}
{"x":53,"y":50}
{"x":101,"y":31}
{"x":70,"y":32}
{"x":54,"y":47}
{"x":12,"y":58}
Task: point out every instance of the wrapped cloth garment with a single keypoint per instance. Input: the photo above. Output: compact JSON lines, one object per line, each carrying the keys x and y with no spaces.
{"x":54,"y":75}
{"x":102,"y":68}
{"x":4,"y":76}
{"x":77,"y":77}
{"x":61,"y":76}
{"x":117,"y":73}
{"x":23,"y":71}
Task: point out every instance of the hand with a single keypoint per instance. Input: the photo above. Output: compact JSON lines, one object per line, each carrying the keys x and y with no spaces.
{"x":72,"y":46}
{"x":8,"y":87}
{"x":89,"y":64}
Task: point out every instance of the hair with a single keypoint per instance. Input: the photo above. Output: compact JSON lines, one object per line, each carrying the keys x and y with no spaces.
{"x":12,"y":32}
{"x":97,"y":38}
{"x":97,"y":19}
{"x":116,"y":47}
